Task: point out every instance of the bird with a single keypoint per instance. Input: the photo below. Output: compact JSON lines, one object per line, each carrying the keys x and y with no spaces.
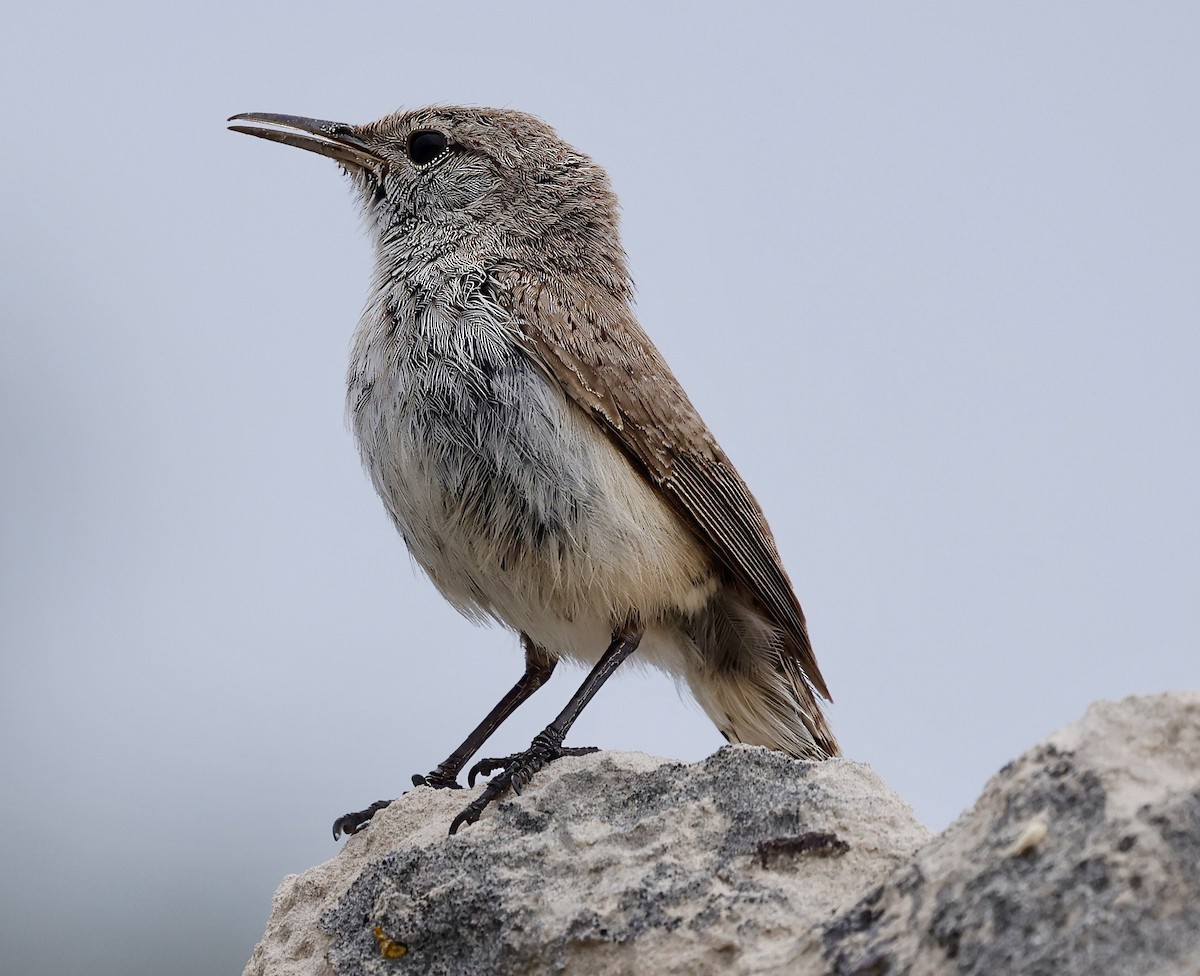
{"x":542,"y":463}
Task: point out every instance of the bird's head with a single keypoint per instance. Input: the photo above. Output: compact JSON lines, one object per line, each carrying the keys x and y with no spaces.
{"x":446,"y":176}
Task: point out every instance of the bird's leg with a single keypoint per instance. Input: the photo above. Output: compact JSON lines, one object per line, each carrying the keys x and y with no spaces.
{"x":547,"y":744}
{"x":538,"y":668}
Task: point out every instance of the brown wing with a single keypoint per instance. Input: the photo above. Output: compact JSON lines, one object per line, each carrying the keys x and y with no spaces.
{"x":592,"y":344}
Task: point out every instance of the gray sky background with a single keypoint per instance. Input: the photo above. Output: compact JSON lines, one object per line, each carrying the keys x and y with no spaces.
{"x":928,"y":270}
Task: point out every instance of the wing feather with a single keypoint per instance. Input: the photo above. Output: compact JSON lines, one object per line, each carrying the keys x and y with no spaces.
{"x":590,"y":342}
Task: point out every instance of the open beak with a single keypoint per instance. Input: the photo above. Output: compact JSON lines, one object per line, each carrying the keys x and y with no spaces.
{"x":333,"y":139}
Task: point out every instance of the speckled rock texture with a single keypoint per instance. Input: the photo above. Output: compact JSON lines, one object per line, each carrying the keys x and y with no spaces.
{"x":607,"y":863}
{"x":1082,"y":856}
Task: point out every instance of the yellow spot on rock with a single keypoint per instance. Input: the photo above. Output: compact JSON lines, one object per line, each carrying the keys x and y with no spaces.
{"x":389,"y":948}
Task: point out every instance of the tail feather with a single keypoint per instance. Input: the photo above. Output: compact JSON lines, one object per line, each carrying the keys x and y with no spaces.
{"x":749,"y":684}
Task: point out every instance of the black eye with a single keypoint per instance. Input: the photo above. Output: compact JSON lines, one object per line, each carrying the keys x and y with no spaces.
{"x":425,"y":146}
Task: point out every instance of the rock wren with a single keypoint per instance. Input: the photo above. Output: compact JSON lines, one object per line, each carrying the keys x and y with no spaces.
{"x":541,"y":462}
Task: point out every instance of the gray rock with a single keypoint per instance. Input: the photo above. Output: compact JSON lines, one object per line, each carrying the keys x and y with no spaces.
{"x":1081,"y":856}
{"x":608,"y":863}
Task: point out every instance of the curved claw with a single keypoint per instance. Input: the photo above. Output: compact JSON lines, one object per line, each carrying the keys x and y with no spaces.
{"x":485,"y":767}
{"x":352,"y":823}
{"x":467,"y":816}
{"x":471,"y":812}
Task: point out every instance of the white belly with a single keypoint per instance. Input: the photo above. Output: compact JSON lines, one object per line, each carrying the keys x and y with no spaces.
{"x":513,"y":500}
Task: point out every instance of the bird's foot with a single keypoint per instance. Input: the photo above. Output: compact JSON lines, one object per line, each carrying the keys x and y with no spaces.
{"x":518,"y":770}
{"x":439,"y":779}
{"x":485,"y":767}
{"x":352,"y":823}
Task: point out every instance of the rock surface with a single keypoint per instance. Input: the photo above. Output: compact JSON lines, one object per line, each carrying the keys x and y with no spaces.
{"x":1082,"y":856}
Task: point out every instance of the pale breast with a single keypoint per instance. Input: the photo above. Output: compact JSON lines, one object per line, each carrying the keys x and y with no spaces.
{"x":512,"y":499}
